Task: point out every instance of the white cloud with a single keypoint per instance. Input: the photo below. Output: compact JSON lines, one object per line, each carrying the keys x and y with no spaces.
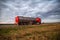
{"x":50,"y":20}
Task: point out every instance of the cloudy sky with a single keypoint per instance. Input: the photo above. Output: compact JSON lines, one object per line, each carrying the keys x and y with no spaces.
{"x":47,"y":10}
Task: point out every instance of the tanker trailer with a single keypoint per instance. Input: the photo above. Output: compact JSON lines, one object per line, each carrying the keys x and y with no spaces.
{"x":20,"y":20}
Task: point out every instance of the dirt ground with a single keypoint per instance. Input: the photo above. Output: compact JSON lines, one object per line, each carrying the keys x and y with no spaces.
{"x":30,"y":32}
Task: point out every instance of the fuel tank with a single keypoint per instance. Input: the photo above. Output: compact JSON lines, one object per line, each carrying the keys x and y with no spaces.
{"x":21,"y":19}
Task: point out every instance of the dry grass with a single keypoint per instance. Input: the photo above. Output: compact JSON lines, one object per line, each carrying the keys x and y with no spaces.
{"x":30,"y":32}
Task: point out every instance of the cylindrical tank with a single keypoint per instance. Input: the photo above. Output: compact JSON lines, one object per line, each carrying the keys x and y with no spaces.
{"x":27,"y":20}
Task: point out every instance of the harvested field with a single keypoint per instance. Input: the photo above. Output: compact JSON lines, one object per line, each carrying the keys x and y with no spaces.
{"x":30,"y":32}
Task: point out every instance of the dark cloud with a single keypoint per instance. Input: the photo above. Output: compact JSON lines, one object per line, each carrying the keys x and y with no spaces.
{"x":46,"y":9}
{"x":58,"y":1}
{"x":3,"y":0}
